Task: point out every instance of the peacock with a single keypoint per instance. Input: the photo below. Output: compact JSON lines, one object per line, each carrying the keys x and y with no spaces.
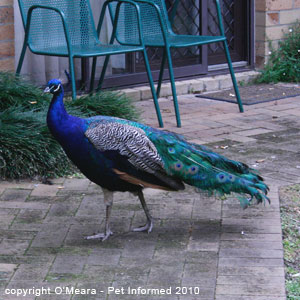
{"x":122,"y":155}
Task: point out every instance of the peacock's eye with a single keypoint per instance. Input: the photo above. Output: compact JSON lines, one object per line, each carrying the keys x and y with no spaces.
{"x":55,"y":88}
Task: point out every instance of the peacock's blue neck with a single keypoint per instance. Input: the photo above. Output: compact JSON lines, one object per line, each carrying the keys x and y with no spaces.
{"x":66,"y":129}
{"x":57,"y":107}
{"x":57,"y":115}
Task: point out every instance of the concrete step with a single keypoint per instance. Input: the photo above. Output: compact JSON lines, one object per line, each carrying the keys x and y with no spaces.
{"x":191,"y":86}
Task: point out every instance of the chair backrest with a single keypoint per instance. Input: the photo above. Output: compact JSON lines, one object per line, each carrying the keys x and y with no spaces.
{"x":127,"y":25}
{"x":46,"y":30}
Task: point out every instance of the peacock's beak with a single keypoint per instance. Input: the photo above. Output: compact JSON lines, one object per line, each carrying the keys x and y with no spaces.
{"x":47,"y":90}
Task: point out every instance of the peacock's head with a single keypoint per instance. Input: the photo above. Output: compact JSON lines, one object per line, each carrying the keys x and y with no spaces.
{"x":54,"y":86}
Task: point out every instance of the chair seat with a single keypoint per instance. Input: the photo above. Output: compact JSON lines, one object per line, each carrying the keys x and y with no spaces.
{"x":193,"y":40}
{"x":87,"y":50}
{"x":180,"y":40}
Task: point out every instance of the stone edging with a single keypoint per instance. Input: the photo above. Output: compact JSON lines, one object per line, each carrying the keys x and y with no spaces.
{"x":191,"y":86}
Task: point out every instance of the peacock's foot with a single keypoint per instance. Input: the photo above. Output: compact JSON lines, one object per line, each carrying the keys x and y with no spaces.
{"x":99,"y":236}
{"x":147,"y":227}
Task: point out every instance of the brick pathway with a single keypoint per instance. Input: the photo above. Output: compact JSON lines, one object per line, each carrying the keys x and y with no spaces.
{"x":212,"y":247}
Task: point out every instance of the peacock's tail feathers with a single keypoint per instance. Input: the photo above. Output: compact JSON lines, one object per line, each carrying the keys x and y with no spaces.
{"x":206,"y":170}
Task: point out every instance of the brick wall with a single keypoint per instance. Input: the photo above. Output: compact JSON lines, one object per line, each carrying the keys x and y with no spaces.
{"x":7,"y":47}
{"x":273,"y":18}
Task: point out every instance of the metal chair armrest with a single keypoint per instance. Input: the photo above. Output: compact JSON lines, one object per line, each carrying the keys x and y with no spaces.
{"x":115,"y":19}
{"x":62,"y":15}
{"x":159,"y":14}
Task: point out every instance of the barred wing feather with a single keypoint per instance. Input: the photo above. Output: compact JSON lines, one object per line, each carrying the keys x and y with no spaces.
{"x":130,"y":141}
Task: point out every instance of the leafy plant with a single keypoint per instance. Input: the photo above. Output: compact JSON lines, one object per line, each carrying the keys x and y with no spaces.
{"x":109,"y":103}
{"x":27,"y":149}
{"x":290,"y":221}
{"x":283,"y":63}
{"x":16,"y":91}
{"x":293,"y":287}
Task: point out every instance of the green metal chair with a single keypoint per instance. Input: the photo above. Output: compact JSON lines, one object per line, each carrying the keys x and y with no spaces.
{"x":157,"y":32}
{"x":66,"y":28}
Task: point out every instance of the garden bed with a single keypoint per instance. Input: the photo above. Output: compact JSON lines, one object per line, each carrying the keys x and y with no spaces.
{"x":290,"y":220}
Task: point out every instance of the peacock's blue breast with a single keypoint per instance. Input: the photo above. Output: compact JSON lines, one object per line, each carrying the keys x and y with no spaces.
{"x":96,"y":165}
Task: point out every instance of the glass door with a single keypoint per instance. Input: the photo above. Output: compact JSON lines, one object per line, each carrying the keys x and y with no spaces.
{"x":194,"y":17}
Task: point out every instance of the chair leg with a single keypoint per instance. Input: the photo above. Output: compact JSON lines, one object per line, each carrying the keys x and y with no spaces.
{"x":93,"y":74}
{"x":103,"y":73}
{"x":150,"y":79}
{"x":72,"y":73}
{"x":236,"y":89}
{"x":161,"y":73}
{"x":21,"y":59}
{"x":168,"y":53}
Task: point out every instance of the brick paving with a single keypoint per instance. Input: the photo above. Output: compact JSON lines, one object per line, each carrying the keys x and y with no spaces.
{"x":208,"y":247}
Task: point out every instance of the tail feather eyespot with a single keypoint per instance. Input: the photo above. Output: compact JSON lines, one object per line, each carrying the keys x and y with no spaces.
{"x":171,"y":150}
{"x":178,"y":165}
{"x":222,"y":177}
{"x":231,"y":178}
{"x":192,"y":170}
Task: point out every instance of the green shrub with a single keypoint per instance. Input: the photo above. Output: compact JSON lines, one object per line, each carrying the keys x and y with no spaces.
{"x":27,"y":149}
{"x":290,"y":216}
{"x":16,"y":91}
{"x":105,"y":103}
{"x":293,"y":289}
{"x":284,"y":62}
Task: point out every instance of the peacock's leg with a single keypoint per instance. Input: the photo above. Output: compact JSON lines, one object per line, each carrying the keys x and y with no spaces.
{"x":108,"y":201}
{"x":149,"y":225}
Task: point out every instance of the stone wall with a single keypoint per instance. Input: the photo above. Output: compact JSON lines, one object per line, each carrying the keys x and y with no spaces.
{"x":7,"y":47}
{"x":273,"y":18}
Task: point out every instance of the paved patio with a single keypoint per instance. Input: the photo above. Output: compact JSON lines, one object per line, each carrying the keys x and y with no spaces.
{"x":213,"y":248}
